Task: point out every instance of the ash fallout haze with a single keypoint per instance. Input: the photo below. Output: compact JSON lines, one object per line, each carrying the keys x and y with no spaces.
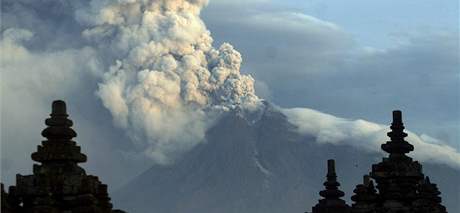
{"x":232,"y":106}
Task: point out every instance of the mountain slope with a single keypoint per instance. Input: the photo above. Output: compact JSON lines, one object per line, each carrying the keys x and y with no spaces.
{"x":255,"y":167}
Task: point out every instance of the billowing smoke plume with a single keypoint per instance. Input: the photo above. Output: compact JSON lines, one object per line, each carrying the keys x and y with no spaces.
{"x":157,"y":73}
{"x":167,"y":80}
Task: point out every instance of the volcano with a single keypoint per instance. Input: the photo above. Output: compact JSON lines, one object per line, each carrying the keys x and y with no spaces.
{"x":248,"y":166}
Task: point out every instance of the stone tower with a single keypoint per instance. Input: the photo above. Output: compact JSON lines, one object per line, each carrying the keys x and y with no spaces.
{"x":428,"y":200}
{"x":331,"y":202}
{"x":401,"y":187}
{"x":58,"y":183}
{"x":397,"y":176}
{"x":365,"y":198}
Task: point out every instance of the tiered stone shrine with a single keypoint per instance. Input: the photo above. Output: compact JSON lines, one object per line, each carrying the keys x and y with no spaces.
{"x":331,"y":201}
{"x":401,"y":187}
{"x":58,"y":184}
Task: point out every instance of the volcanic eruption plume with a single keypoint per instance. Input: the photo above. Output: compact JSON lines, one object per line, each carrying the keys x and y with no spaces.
{"x":167,"y":82}
{"x":153,"y":65}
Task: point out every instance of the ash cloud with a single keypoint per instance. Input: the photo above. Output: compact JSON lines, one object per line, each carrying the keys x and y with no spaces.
{"x":153,"y":66}
{"x":167,"y":81}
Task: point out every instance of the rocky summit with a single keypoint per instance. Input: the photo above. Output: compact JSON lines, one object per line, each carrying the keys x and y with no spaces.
{"x":258,"y":167}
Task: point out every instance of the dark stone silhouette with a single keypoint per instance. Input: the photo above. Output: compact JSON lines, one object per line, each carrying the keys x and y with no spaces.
{"x":365,"y":197}
{"x":58,"y":184}
{"x":401,"y":185}
{"x":428,"y":200}
{"x":398,"y":175}
{"x":7,"y":201}
{"x":331,"y":201}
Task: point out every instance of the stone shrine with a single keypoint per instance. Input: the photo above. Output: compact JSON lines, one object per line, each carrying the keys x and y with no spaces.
{"x":401,"y":187}
{"x":58,"y":183}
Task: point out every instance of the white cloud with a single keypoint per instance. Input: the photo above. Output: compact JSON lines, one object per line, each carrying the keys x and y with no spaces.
{"x":29,"y":82}
{"x":306,"y":62}
{"x":292,"y":21}
{"x":366,"y":136}
{"x":44,"y":73}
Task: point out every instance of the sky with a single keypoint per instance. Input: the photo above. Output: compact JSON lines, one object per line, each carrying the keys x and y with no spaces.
{"x":378,"y":56}
{"x":356,"y":60}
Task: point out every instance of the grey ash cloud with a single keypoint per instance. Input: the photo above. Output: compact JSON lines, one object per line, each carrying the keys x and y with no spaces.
{"x":70,"y":49}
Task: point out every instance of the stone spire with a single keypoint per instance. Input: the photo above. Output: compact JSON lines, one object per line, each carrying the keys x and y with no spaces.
{"x":397,"y":146}
{"x":365,"y":197}
{"x":331,"y":202}
{"x":58,"y":184}
{"x":59,"y":153}
{"x":398,"y":175}
{"x":401,"y":185}
{"x":428,"y":200}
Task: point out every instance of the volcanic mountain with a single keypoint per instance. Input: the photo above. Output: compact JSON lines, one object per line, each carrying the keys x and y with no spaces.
{"x":248,"y":166}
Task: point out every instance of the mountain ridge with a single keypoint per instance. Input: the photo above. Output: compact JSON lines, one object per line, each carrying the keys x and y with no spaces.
{"x":263,"y":166}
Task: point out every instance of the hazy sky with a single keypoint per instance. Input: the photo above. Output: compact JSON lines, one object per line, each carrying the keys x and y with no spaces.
{"x":353,"y":59}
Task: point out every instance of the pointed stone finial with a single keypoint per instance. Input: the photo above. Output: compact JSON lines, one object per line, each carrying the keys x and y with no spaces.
{"x":366,"y":180}
{"x":429,"y":190}
{"x":331,"y":184}
{"x":365,"y":197}
{"x":369,"y":184}
{"x":397,"y":117}
{"x":331,"y":201}
{"x":427,"y":180}
{"x":58,"y":124}
{"x":59,"y":108}
{"x":330,"y":167}
{"x":397,"y":127}
{"x":59,"y":146}
{"x":397,"y":146}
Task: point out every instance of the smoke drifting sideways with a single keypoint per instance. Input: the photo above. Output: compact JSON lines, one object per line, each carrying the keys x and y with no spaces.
{"x":367,"y":136}
{"x":167,"y":84}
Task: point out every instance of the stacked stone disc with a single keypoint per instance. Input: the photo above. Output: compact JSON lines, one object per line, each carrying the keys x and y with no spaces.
{"x":398,"y":175}
{"x":331,"y":201}
{"x":401,"y":187}
{"x":58,"y":183}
